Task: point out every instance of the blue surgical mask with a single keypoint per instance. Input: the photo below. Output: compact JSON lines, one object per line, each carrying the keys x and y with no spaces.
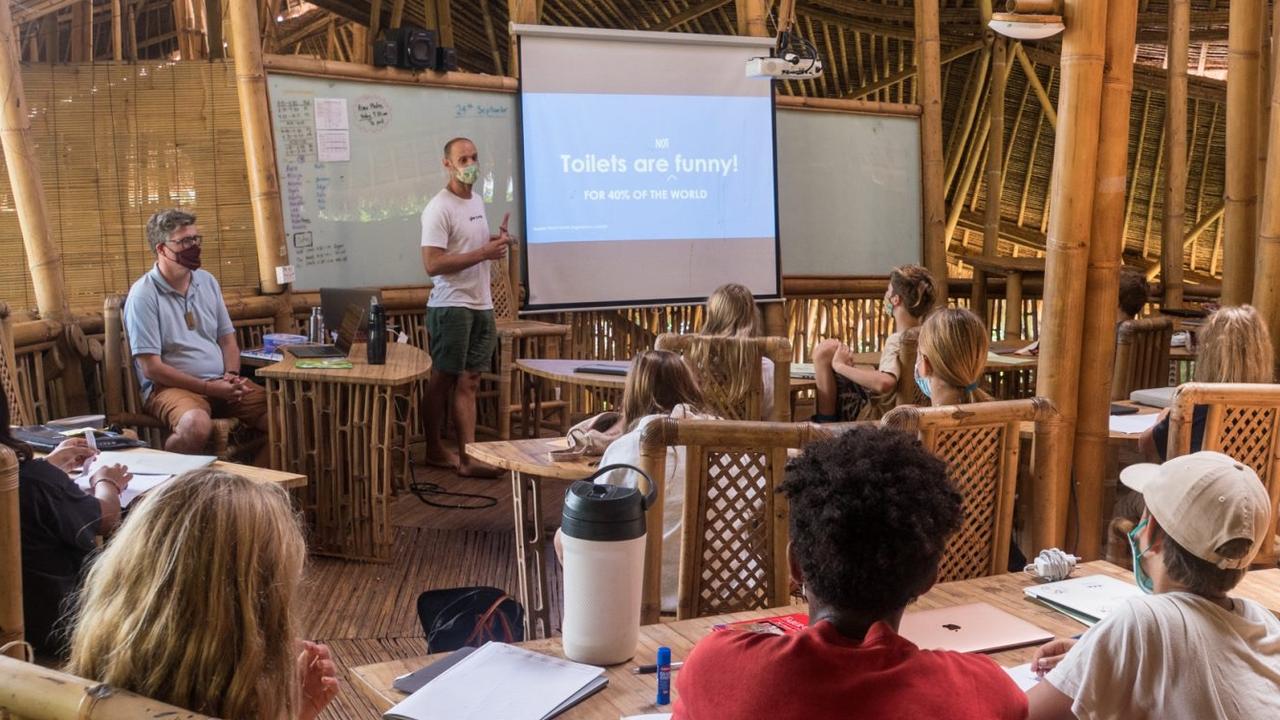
{"x":923,"y":384}
{"x":1139,"y":575}
{"x":888,"y":307}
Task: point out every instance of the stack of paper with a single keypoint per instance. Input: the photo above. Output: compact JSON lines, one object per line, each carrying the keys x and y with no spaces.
{"x":803,"y":371}
{"x":501,"y":681}
{"x":1132,"y":424}
{"x":1086,"y":599}
{"x":150,"y":469}
{"x":1023,"y":676}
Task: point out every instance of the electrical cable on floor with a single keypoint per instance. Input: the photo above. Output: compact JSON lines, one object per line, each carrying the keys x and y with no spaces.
{"x":424,"y":490}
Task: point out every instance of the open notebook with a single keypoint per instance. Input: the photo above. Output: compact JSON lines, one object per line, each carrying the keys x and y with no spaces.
{"x":502,"y":681}
{"x":1086,"y":599}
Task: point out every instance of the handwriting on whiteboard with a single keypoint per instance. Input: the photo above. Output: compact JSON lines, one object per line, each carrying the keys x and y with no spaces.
{"x":480,"y":110}
{"x":373,"y":112}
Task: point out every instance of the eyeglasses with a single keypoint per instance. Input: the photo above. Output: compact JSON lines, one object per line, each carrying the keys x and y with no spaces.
{"x":187,"y":242}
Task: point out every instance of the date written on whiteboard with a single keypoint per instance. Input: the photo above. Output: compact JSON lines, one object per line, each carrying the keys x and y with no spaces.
{"x":480,"y":110}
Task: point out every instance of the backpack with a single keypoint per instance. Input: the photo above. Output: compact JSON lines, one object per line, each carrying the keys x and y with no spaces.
{"x":470,"y":616}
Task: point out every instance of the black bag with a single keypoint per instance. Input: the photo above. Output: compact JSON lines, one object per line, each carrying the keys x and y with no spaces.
{"x":472,"y":616}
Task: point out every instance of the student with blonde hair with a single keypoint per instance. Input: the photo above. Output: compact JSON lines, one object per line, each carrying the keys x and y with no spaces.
{"x":1232,"y":347}
{"x":193,"y":604}
{"x":732,"y":313}
{"x":952,"y":357}
{"x":844,"y":389}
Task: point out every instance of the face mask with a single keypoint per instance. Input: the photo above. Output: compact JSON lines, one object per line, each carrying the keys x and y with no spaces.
{"x":1139,"y":575}
{"x":923,"y":384}
{"x":888,"y":307}
{"x":188,"y":258}
{"x":467,"y":175}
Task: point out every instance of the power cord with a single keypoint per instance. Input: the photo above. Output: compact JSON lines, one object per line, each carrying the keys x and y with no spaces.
{"x":425,"y":490}
{"x":1052,"y":564}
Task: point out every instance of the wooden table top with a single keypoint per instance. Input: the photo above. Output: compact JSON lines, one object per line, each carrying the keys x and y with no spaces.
{"x":565,"y":371}
{"x":630,"y":694}
{"x":1004,"y":265}
{"x":405,"y":364}
{"x":530,"y":456}
{"x":995,"y":361}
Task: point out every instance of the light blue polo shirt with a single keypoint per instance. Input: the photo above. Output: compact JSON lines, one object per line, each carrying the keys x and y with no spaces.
{"x":155,"y":316}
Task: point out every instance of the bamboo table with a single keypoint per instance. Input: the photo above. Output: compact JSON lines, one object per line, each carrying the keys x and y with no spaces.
{"x":347,"y":430}
{"x":630,"y":694}
{"x":529,"y":465}
{"x":1015,"y":270}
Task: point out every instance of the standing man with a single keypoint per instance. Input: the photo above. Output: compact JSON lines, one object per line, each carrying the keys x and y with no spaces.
{"x":456,"y":250}
{"x":184,"y":346}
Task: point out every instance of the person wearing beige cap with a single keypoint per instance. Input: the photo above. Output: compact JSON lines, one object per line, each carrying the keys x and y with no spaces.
{"x":1186,"y":649}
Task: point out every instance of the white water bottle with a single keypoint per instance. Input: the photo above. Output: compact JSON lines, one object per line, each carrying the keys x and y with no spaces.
{"x":603,"y":532}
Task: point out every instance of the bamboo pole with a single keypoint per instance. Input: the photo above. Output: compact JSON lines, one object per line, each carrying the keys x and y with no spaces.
{"x":1106,"y":249}
{"x":1195,"y":232}
{"x":133,"y":31}
{"x":1240,"y":240}
{"x":1265,"y":65}
{"x":49,"y":24}
{"x":753,"y":18}
{"x":40,"y":693}
{"x":522,"y":12}
{"x":1029,"y":69}
{"x":868,"y":107}
{"x":995,"y":170}
{"x":255,"y":120}
{"x":974,"y":100}
{"x":1175,"y":127}
{"x":375,"y":26}
{"x":117,"y":34}
{"x":1067,"y":256}
{"x":928,"y":47}
{"x":11,"y":622}
{"x":1266,"y":282}
{"x":397,"y":14}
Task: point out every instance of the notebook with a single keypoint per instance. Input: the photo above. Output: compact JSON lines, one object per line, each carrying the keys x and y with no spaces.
{"x":1154,"y":397}
{"x":45,"y":438}
{"x":803,"y":371}
{"x":501,"y":681}
{"x":1085,"y":599}
{"x":1023,"y":676}
{"x":620,"y":368}
{"x":1132,"y":424}
{"x":977,"y":627}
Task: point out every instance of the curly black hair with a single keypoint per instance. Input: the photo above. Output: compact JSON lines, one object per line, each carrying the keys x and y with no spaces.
{"x":871,"y":511}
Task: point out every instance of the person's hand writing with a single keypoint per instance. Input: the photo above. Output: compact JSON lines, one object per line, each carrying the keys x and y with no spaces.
{"x":226,"y":390}
{"x":318,"y":678}
{"x":117,"y":475}
{"x":71,"y":454}
{"x":1050,"y":654}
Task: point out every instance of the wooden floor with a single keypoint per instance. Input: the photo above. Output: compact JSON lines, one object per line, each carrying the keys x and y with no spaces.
{"x":367,"y":613}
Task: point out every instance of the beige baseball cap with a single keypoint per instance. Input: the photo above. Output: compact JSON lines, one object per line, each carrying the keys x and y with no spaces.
{"x":1204,"y":500}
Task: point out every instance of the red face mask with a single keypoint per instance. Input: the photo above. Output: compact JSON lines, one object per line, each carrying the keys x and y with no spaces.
{"x":188,"y":258}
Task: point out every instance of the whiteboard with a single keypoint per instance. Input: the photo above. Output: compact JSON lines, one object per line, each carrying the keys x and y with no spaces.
{"x":354,"y":220}
{"x":849,"y":192}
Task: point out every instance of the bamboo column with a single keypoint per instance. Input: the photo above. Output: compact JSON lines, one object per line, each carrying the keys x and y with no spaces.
{"x":522,"y":12}
{"x":1067,"y":256}
{"x":117,"y":34}
{"x":995,"y":170}
{"x":1241,"y":229}
{"x":752,"y":18}
{"x":11,"y":622}
{"x":1175,"y":128}
{"x":1266,"y":62}
{"x":929,"y":58}
{"x":1106,"y":248}
{"x":255,"y":120}
{"x":1266,"y":283}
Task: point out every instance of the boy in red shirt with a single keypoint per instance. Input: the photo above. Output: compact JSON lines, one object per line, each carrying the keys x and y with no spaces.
{"x":871,"y":512}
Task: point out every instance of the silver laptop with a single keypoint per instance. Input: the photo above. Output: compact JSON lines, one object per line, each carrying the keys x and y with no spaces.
{"x":977,"y":627}
{"x":1154,"y":397}
{"x":335,"y":301}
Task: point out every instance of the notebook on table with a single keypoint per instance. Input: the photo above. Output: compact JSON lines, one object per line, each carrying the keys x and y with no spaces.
{"x":977,"y":627}
{"x":803,"y":371}
{"x":1086,"y":599}
{"x":1154,"y":397}
{"x":620,"y":369}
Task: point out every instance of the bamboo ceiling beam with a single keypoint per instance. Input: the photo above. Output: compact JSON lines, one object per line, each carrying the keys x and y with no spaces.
{"x":877,"y":29}
{"x":692,"y":13}
{"x":255,"y":123}
{"x":928,"y":51}
{"x":1175,"y":126}
{"x":975,"y":85}
{"x":907,"y":74}
{"x":492,"y":37}
{"x":313,"y":27}
{"x":995,"y":184}
{"x":1033,"y":79}
{"x":521,"y":12}
{"x":36,"y":10}
{"x":1066,"y":263}
{"x":1192,"y":235}
{"x":1266,"y":66}
{"x":753,"y":16}
{"x":316,"y":67}
{"x":1241,"y":230}
{"x":852,"y":106}
{"x":375,"y":26}
{"x":397,"y":14}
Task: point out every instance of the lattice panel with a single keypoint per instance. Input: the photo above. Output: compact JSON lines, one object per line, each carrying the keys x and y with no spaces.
{"x":716,"y":378}
{"x":973,"y":465}
{"x":17,"y":408}
{"x":1247,"y":434}
{"x":504,"y":302}
{"x":733,"y":553}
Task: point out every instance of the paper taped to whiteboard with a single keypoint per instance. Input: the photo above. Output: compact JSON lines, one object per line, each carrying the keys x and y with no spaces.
{"x":285,"y":274}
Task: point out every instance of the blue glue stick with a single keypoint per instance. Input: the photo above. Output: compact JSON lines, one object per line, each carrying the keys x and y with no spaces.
{"x":664,"y":676}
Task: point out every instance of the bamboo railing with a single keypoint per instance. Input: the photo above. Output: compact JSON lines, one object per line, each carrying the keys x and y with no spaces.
{"x":39,"y":693}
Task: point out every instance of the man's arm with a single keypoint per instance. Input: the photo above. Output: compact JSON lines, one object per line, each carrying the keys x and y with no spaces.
{"x":230,"y":353}
{"x":439,"y":261}
{"x":162,"y":374}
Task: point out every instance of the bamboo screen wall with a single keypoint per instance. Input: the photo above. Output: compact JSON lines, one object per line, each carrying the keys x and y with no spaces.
{"x":115,"y":144}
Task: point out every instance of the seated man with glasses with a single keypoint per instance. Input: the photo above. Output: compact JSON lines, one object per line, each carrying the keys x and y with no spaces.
{"x":184,"y":346}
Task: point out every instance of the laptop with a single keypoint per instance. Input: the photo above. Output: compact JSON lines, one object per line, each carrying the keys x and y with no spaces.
{"x":346,"y":310}
{"x":334,"y":303}
{"x":977,"y":627}
{"x":616,"y":367}
{"x":1154,"y":397}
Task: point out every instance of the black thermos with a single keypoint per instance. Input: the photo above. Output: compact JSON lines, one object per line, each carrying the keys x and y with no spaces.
{"x":377,"y":346}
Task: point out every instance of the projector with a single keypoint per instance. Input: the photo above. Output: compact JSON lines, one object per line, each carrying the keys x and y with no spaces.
{"x":788,"y":67}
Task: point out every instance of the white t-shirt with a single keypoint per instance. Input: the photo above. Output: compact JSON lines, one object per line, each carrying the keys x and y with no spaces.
{"x":458,"y":225}
{"x":766,"y":384}
{"x":1176,"y":655}
{"x":626,"y":449}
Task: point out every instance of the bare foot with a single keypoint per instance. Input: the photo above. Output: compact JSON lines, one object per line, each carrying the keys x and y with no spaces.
{"x":441,"y":459}
{"x":477,"y":469}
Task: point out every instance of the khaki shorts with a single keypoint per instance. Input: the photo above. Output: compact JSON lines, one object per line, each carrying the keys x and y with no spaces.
{"x":170,"y":404}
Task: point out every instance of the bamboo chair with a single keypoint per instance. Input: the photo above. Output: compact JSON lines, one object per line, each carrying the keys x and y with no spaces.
{"x":980,"y":444}
{"x":1142,"y":356}
{"x":715,"y":376}
{"x":520,"y":338}
{"x":39,"y":693}
{"x":734,"y":521}
{"x":907,"y":392}
{"x":123,"y":401}
{"x":20,"y":409}
{"x":1243,"y":422}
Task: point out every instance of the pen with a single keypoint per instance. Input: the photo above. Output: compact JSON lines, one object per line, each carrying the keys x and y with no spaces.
{"x":651,"y":669}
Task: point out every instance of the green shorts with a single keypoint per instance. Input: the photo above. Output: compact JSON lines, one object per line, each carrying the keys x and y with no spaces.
{"x":461,"y":339}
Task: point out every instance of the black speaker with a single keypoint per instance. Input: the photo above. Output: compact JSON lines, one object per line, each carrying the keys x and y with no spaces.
{"x":417,"y":48}
{"x":386,"y":52}
{"x":446,"y":59}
